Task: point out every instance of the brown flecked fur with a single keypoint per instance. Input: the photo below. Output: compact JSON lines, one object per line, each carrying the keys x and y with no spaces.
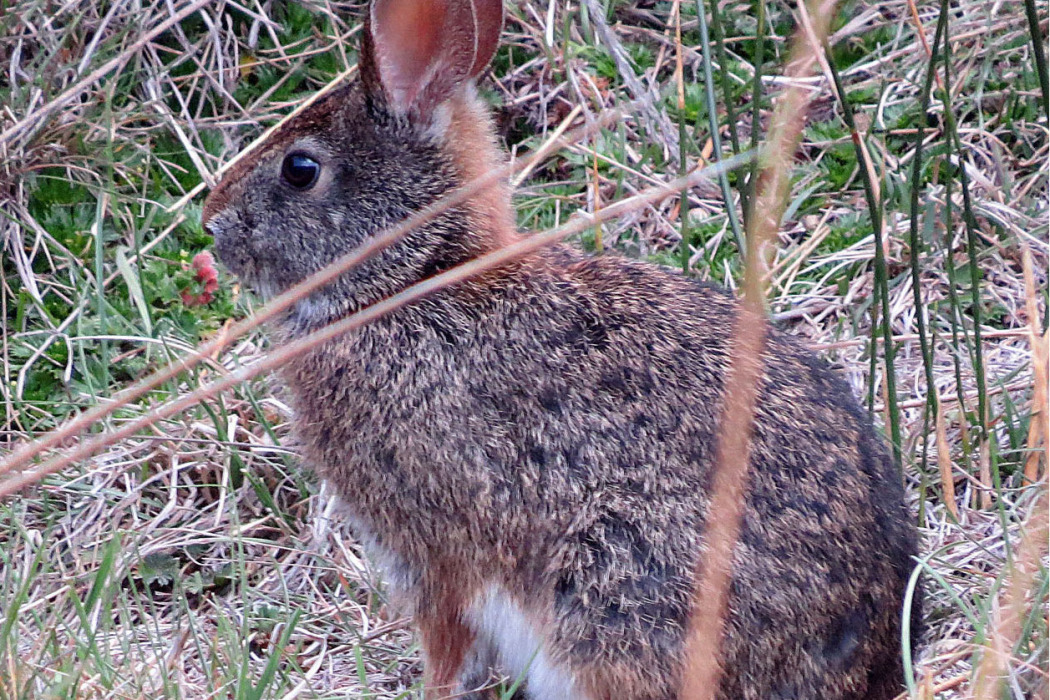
{"x":471,"y":144}
{"x":549,"y":432}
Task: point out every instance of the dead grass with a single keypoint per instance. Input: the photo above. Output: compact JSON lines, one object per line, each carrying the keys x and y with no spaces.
{"x":174,"y":563}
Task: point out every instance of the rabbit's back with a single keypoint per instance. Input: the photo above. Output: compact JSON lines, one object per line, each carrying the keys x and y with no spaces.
{"x":550,"y":434}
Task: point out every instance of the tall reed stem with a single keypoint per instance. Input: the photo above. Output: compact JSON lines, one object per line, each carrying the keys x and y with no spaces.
{"x":716,"y":137}
{"x":970,"y":222}
{"x":1036,"y":34}
{"x":881,"y":275}
{"x":756,"y":108}
{"x":914,"y":240}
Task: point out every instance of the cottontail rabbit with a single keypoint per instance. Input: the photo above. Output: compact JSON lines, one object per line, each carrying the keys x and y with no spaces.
{"x":529,"y":454}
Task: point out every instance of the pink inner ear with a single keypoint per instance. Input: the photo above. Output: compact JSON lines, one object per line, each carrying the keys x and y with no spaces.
{"x":426,"y":49}
{"x":407,"y":36}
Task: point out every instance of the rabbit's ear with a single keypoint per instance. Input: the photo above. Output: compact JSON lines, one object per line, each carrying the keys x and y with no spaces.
{"x":418,"y":53}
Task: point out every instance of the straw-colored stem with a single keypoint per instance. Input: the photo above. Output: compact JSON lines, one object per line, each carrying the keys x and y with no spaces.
{"x":702,"y":671}
{"x":284,"y":354}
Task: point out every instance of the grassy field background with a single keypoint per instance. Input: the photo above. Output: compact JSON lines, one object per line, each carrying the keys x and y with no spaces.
{"x":196,"y":559}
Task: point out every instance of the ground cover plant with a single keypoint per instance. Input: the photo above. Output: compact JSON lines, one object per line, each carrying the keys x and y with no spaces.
{"x":195,"y":559}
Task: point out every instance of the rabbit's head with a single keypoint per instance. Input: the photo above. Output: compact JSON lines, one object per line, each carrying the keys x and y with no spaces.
{"x":368,"y":155}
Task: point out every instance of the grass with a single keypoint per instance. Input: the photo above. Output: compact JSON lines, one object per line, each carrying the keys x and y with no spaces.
{"x":196,"y":559}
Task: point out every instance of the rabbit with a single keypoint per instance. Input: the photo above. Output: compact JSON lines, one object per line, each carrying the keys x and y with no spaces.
{"x":529,"y":454}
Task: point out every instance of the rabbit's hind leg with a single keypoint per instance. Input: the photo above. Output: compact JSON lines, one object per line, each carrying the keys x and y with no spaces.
{"x":518,"y":647}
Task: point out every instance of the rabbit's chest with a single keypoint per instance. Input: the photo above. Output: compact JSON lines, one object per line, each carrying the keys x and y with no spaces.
{"x":388,"y":425}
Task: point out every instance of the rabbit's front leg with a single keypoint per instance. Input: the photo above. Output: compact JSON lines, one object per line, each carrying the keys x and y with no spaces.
{"x":446,"y":641}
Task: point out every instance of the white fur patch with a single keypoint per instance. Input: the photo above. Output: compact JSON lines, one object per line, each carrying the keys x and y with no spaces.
{"x":503,"y":626}
{"x":396,"y":572}
{"x":440,"y":119}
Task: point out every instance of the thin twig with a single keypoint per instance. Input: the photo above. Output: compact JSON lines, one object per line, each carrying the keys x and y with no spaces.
{"x":281,"y":303}
{"x":279,"y":357}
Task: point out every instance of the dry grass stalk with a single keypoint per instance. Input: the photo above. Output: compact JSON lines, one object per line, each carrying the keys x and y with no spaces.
{"x":279,"y":357}
{"x":944,"y":458}
{"x":22,"y":456}
{"x":1039,"y":424}
{"x":1030,"y":555}
{"x":36,"y":117}
{"x":984,"y":475}
{"x":647,"y":101}
{"x":700,"y":679}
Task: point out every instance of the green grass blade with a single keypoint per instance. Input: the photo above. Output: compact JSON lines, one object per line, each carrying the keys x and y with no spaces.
{"x":756,"y":106}
{"x":716,"y":138}
{"x":914,"y":240}
{"x":1036,"y":34}
{"x":970,"y":223}
{"x":881,"y":273}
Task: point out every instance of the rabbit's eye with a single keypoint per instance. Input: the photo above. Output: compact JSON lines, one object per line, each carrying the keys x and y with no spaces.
{"x":300,"y":170}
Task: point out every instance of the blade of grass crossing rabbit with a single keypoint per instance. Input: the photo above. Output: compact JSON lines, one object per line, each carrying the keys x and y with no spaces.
{"x":416,"y":292}
{"x":716,"y":137}
{"x":874,"y":202}
{"x":700,"y":678}
{"x":22,"y":456}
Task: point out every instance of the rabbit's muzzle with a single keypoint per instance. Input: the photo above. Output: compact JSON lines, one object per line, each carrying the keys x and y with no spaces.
{"x":236,"y":253}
